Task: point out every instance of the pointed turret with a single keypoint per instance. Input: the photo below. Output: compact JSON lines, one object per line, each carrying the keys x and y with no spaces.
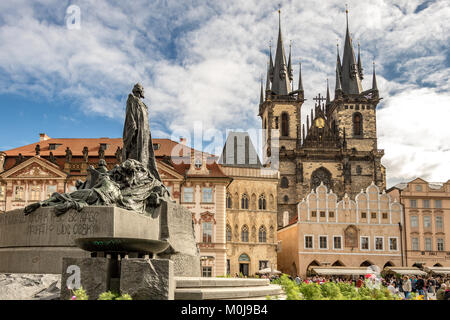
{"x":270,"y":62}
{"x":374,"y":79}
{"x":268,"y":79}
{"x":328,"y":93}
{"x":291,"y":73}
{"x":300,"y":82}
{"x":360,"y":68}
{"x":338,"y":85}
{"x":261,"y":98}
{"x":281,"y":84}
{"x":351,"y":82}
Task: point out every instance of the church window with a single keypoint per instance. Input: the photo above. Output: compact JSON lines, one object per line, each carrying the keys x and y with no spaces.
{"x":262,"y":234}
{"x":357,"y":107}
{"x":363,"y":107}
{"x":244,"y":234}
{"x":276,"y":123}
{"x":286,"y":199}
{"x":284,"y":182}
{"x":351,"y":107}
{"x":357,"y":124}
{"x":262,"y":204}
{"x":285,"y":124}
{"x":244,"y":202}
{"x":346,"y":107}
{"x":358,"y":170}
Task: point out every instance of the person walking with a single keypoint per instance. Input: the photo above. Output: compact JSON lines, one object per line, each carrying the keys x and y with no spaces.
{"x":406,"y":286}
{"x":420,"y":285}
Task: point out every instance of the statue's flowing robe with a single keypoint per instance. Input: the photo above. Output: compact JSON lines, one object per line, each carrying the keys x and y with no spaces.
{"x":137,"y":138}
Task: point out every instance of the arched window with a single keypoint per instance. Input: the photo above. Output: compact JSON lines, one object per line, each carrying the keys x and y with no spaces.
{"x":284,"y":124}
{"x":262,"y":202}
{"x":244,"y":234}
{"x":229,"y":201}
{"x":262,"y":234}
{"x":284,"y":182}
{"x":229,"y":233}
{"x":244,"y":201}
{"x":286,"y":199}
{"x":357,"y":124}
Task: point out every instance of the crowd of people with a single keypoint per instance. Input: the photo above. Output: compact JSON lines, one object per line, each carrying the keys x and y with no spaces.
{"x":431,"y":288}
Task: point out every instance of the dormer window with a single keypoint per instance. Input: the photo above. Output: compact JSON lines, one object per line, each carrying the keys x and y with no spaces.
{"x":156,"y":146}
{"x":53,"y":146}
{"x":198,"y":163}
{"x":103,"y":146}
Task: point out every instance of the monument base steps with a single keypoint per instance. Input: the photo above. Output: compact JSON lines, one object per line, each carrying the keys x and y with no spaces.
{"x":225,"y":289}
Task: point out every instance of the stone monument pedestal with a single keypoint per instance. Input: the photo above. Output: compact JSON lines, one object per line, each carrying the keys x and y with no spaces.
{"x":141,"y":278}
{"x":37,"y":243}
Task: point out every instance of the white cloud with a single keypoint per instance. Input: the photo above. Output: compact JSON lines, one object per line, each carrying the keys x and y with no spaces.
{"x":202,"y":62}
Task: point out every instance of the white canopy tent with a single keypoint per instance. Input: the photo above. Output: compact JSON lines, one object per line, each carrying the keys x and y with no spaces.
{"x":408,"y":271}
{"x":439,"y":270}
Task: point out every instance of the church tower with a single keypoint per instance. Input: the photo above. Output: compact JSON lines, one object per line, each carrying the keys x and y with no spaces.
{"x":335,"y":145}
{"x":279,"y":110}
{"x":352,"y":115}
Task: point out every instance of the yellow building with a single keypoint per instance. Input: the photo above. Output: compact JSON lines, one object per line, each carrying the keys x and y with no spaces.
{"x":251,"y":220}
{"x":348,"y":233}
{"x":427,"y":221}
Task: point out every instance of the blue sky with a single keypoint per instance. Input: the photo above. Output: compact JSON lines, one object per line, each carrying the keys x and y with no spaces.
{"x":203,"y":62}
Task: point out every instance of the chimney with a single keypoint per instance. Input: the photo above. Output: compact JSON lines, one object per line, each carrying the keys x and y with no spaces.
{"x":183,"y":140}
{"x":43,"y":137}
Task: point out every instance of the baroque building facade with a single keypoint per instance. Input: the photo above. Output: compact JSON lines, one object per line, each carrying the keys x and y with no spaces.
{"x":353,"y":232}
{"x":336,"y":144}
{"x":427,"y":219}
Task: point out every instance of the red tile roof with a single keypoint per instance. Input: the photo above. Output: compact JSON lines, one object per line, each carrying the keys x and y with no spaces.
{"x":76,"y":145}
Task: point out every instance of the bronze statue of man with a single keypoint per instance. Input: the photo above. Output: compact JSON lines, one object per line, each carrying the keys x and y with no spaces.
{"x":137,"y":138}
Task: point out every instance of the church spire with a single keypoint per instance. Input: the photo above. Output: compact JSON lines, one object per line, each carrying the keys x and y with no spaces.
{"x":328,"y":93}
{"x":351,"y":82}
{"x":281,"y":84}
{"x":300,"y":82}
{"x":374,"y":79}
{"x":291,"y":73}
{"x":261,"y":98}
{"x":268,"y":79}
{"x":360,"y":68}
{"x":338,"y":86}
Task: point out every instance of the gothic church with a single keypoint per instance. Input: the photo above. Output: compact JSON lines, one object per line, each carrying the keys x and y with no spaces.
{"x":338,"y":144}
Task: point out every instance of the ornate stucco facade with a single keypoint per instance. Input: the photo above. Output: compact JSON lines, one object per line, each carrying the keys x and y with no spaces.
{"x":427,"y":221}
{"x":362,"y":231}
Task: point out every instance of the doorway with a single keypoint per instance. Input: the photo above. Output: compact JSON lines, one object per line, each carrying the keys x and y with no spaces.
{"x":243,"y":269}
